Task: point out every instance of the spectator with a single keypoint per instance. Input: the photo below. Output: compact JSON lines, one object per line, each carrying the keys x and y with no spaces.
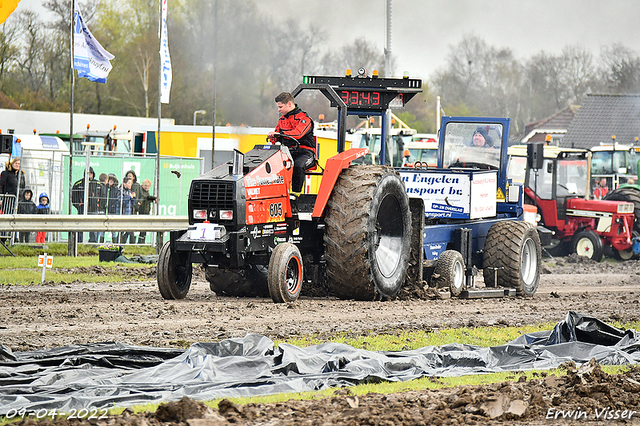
{"x":77,"y":199}
{"x":128,"y":202}
{"x":9,"y":185}
{"x":43,"y":208}
{"x":135,"y":187}
{"x":113,"y":200}
{"x":26,"y":206}
{"x":102,"y":200}
{"x":602,"y":190}
{"x":144,"y":205}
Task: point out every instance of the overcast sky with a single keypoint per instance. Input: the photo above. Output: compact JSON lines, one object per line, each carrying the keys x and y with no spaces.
{"x":423,"y":30}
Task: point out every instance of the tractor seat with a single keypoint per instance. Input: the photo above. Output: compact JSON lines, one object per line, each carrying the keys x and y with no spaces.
{"x":313,"y":167}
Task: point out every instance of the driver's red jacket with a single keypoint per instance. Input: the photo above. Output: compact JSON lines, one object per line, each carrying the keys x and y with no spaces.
{"x":298,"y":125}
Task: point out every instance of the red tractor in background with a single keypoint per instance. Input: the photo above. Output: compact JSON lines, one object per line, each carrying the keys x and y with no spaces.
{"x":558,"y":187}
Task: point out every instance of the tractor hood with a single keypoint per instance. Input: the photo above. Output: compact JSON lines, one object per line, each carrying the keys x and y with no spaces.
{"x":601,"y":206}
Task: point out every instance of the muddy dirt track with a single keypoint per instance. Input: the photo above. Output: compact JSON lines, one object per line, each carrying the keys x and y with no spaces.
{"x":34,"y":317}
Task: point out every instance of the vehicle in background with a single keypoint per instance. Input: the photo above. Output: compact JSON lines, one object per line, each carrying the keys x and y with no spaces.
{"x":370,"y":138}
{"x":619,"y":165}
{"x":421,"y":152}
{"x":559,"y":190}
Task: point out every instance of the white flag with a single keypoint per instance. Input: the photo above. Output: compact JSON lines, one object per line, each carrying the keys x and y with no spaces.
{"x":165,"y":59}
{"x":89,"y":57}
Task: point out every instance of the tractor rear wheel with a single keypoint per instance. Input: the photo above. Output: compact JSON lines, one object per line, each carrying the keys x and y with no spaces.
{"x":368,"y":233}
{"x":450,"y":270}
{"x":174,"y":274}
{"x":285,"y":273}
{"x":587,"y":243}
{"x":513,"y":249}
{"x":238,"y":283}
{"x":629,"y":194}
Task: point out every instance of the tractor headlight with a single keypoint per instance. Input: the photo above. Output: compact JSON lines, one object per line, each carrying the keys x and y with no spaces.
{"x":200,"y":214}
{"x":625,"y":208}
{"x":226,"y":214}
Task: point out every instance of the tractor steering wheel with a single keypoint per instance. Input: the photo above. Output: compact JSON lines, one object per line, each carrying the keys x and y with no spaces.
{"x":296,"y":143}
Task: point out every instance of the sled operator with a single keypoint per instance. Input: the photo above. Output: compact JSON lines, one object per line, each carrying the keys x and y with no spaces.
{"x":296,"y":124}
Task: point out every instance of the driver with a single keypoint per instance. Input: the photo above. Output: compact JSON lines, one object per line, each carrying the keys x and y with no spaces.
{"x":481,"y":138}
{"x":296,"y":125}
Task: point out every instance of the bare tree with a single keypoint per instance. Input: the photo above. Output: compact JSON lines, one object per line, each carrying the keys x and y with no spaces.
{"x":577,"y":71}
{"x":620,"y":69}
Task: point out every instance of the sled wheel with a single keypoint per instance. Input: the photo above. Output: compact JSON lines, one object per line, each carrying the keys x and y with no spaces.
{"x":627,"y":254}
{"x":285,"y":273}
{"x":587,"y":243}
{"x":450,"y":268}
{"x":368,"y":233}
{"x":250,"y":282}
{"x":174,"y":274}
{"x":513,"y":249}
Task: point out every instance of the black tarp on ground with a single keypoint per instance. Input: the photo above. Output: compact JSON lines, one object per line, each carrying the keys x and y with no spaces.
{"x":104,"y":375}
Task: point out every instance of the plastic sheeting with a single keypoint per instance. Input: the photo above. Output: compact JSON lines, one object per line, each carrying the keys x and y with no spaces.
{"x":112,"y":374}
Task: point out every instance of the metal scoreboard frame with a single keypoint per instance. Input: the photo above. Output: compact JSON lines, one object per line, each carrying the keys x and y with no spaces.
{"x":364,"y":96}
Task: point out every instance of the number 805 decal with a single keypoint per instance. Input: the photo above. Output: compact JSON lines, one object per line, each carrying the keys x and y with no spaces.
{"x":275,"y":210}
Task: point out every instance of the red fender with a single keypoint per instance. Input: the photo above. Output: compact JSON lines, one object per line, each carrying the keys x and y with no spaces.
{"x":334,"y":166}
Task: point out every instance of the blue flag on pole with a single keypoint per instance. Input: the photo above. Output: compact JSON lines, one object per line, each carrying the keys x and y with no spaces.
{"x":89,"y":58}
{"x":165,"y":59}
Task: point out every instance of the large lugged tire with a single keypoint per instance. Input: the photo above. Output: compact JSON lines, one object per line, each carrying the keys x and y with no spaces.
{"x":285,"y":273}
{"x":630,"y":194}
{"x":174,"y":276}
{"x":513,"y":247}
{"x":238,"y":283}
{"x":368,"y":233}
{"x":589,"y":244}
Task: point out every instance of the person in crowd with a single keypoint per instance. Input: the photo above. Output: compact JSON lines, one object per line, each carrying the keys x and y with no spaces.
{"x":43,"y":208}
{"x":26,"y":206}
{"x":135,"y":186}
{"x":128,"y":201}
{"x":602,"y":190}
{"x":296,"y":126}
{"x":77,"y":199}
{"x":9,"y":185}
{"x":102,"y":200}
{"x":113,"y":200}
{"x":143,"y":202}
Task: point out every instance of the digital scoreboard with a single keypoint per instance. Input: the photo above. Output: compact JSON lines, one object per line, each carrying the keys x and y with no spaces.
{"x":370,"y":93}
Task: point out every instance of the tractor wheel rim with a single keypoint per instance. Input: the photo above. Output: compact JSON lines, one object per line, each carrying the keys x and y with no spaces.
{"x":458,"y":274}
{"x":584,"y":248}
{"x":529,"y":262}
{"x":389,"y":236}
{"x":293,"y":276}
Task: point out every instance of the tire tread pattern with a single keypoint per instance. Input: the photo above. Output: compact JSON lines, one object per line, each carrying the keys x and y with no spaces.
{"x":502,"y":249}
{"x":347,"y":216}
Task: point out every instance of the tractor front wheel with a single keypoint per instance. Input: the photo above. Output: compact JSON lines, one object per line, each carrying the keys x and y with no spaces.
{"x":587,"y":243}
{"x":174,"y":274}
{"x":285,"y":273}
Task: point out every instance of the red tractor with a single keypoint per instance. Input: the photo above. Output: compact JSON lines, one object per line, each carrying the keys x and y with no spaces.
{"x":559,"y":190}
{"x":370,"y":228}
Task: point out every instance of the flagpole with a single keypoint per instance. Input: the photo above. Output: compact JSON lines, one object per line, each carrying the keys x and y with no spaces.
{"x":159,"y":239}
{"x":215,"y":72}
{"x":72,"y":246}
